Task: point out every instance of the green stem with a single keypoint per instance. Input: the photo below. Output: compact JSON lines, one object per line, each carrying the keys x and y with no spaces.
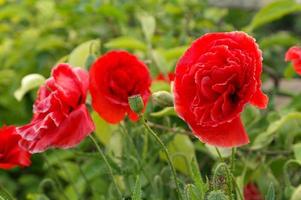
{"x":56,"y":178}
{"x":68,"y":175}
{"x":232,"y":168}
{"x":219,"y":154}
{"x":107,"y":165}
{"x":166,"y":153}
{"x":141,"y":165}
{"x":237,"y":188}
{"x":81,"y":171}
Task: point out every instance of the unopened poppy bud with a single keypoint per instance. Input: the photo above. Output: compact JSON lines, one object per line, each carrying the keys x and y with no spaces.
{"x":217,"y":195}
{"x":136,"y":103}
{"x":162,"y":98}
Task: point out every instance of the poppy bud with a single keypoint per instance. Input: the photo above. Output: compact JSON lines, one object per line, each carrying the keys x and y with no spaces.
{"x":136,"y":103}
{"x":162,"y":98}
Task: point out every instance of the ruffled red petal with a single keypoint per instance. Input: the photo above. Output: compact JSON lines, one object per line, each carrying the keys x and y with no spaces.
{"x":226,"y":135}
{"x":11,"y":155}
{"x":259,"y":99}
{"x":70,"y":132}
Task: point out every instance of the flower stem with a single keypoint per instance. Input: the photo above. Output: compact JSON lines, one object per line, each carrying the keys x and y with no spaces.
{"x":236,"y":186}
{"x":107,"y":164}
{"x":232,"y":167}
{"x":59,"y":186}
{"x":219,"y":154}
{"x":166,"y":153}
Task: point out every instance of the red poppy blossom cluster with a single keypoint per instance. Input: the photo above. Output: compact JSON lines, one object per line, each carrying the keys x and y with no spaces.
{"x":215,"y":78}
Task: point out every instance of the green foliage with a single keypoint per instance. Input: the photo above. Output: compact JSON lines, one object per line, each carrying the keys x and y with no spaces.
{"x":201,"y":186}
{"x":273,"y":12}
{"x":4,"y":194}
{"x":125,"y":42}
{"x":271,"y":193}
{"x":137,"y":191}
{"x":78,"y":57}
{"x":217,"y":195}
{"x":182,"y":151}
{"x":287,"y":122}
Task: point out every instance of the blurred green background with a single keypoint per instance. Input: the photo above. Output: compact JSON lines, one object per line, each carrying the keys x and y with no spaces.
{"x":35,"y":35}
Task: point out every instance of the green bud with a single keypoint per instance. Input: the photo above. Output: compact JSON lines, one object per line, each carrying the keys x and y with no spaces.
{"x":136,"y":103}
{"x":217,"y":195}
{"x":163,"y":99}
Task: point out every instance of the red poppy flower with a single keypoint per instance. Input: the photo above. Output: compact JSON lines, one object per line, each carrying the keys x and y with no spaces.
{"x":169,"y":78}
{"x":11,"y":155}
{"x":294,"y":55}
{"x":114,"y":77}
{"x":214,"y":80}
{"x":61,"y":119}
{"x":251,"y":192}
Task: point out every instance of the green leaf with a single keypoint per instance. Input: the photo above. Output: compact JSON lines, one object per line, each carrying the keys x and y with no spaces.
{"x":103,"y":130}
{"x":4,"y":194}
{"x":273,"y":11}
{"x":202,"y":187}
{"x":28,"y":83}
{"x":182,"y":151}
{"x":267,"y":137}
{"x":297,"y":151}
{"x":168,"y":111}
{"x":78,"y":57}
{"x":271,"y":193}
{"x":148,"y":24}
{"x":282,"y":38}
{"x":174,"y":53}
{"x":125,"y":42}
{"x":137,"y":190}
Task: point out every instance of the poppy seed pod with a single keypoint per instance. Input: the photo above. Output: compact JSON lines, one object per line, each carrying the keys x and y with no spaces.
{"x":136,"y":103}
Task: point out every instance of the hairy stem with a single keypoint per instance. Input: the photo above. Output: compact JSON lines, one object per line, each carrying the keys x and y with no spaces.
{"x":156,"y":137}
{"x":107,"y":165}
